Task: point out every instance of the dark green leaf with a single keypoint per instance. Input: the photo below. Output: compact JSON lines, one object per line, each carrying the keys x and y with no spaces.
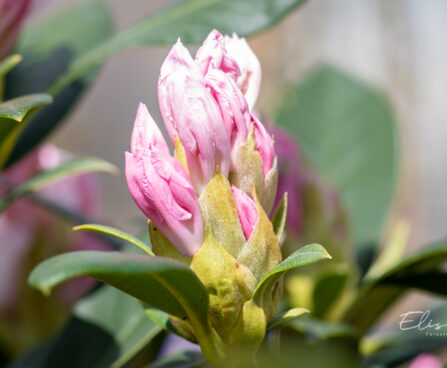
{"x":107,"y":329}
{"x":328,"y":287}
{"x":424,"y":270}
{"x":191,"y":20}
{"x":48,"y":46}
{"x":183,"y":359}
{"x":347,"y":130}
{"x":69,"y":168}
{"x":279,"y":218}
{"x":17,"y":108}
{"x":160,"y":282}
{"x":304,"y":256}
{"x":107,"y":230}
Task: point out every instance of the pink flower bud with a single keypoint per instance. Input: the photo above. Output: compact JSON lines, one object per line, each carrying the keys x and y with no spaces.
{"x":426,"y":361}
{"x":232,"y":104}
{"x":146,"y":135}
{"x":12,"y":13}
{"x":212,"y":55}
{"x":246,"y":208}
{"x":161,"y":188}
{"x":191,"y":114}
{"x":249,"y":80}
{"x":264,"y":145}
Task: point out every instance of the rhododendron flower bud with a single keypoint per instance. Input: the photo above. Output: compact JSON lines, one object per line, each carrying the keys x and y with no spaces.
{"x":232,"y":104}
{"x":246,"y":208}
{"x":249,"y":80}
{"x":12,"y":13}
{"x":212,"y":55}
{"x":161,"y":187}
{"x":426,"y":361}
{"x":264,"y":145}
{"x":191,"y":114}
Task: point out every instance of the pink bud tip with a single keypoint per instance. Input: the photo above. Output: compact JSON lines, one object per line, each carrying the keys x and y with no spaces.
{"x":264,"y":145}
{"x":247,"y":210}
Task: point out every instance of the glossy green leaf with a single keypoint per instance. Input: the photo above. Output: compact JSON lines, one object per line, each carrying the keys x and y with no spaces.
{"x":17,"y":108}
{"x":7,"y":64}
{"x":347,"y":130}
{"x":279,"y":218}
{"x":160,"y":282}
{"x":48,"y":45}
{"x":182,"y":359}
{"x":424,"y":270}
{"x":191,"y":20}
{"x":107,"y":329}
{"x":66,"y":169}
{"x":328,"y":288}
{"x":286,"y":317}
{"x":304,"y":256}
{"x":108,"y":230}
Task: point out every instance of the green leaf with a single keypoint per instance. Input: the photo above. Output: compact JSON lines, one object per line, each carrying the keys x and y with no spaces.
{"x":107,"y":230}
{"x":69,"y":168}
{"x":279,"y":218}
{"x":7,"y":64}
{"x":286,"y":317}
{"x":191,"y":20}
{"x":424,"y":270}
{"x":161,"y":319}
{"x":318,"y":330}
{"x":347,"y":130}
{"x":48,"y":46}
{"x":17,"y":108}
{"x":328,"y":288}
{"x":183,"y":359}
{"x":107,"y":329}
{"x":304,"y":256}
{"x":12,"y":112}
{"x":399,"y":346}
{"x":160,"y":282}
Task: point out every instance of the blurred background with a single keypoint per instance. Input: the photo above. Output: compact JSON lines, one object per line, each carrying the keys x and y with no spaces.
{"x":397,"y":46}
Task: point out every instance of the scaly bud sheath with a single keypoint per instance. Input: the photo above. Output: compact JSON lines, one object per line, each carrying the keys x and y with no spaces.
{"x":161,"y":188}
{"x":191,"y":114}
{"x":12,"y":13}
{"x":249,"y":80}
{"x":246,"y":208}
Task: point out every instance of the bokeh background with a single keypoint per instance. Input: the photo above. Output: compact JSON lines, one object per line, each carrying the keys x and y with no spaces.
{"x":398,"y":46}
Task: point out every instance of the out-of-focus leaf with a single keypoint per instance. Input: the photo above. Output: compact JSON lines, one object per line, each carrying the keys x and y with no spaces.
{"x":108,"y":230}
{"x":347,"y":130}
{"x":279,"y":218}
{"x":160,"y":282}
{"x":304,"y":256}
{"x":17,"y":108}
{"x":48,"y":46}
{"x":328,"y":287}
{"x":191,"y":20}
{"x":400,"y":346}
{"x":424,"y":270}
{"x":7,"y":64}
{"x":12,"y":112}
{"x":107,"y":329}
{"x":183,"y":359}
{"x":66,"y":169}
{"x":318,"y":330}
{"x":287,"y":317}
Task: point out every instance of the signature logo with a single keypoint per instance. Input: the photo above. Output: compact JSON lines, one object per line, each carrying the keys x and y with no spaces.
{"x":421,"y":321}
